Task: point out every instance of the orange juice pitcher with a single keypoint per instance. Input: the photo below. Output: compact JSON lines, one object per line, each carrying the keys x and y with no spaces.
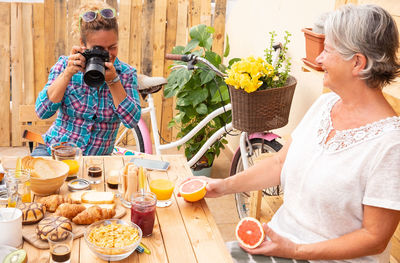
{"x":18,"y":187}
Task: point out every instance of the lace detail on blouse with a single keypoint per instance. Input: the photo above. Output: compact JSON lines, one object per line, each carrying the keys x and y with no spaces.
{"x":346,"y":138}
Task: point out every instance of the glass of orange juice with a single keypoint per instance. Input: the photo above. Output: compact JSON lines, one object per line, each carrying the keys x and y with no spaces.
{"x":162,"y":185}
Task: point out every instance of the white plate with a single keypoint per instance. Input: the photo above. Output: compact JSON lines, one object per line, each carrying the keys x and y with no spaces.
{"x":4,"y":251}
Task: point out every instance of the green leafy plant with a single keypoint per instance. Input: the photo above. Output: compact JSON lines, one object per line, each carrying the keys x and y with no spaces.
{"x":199,"y":92}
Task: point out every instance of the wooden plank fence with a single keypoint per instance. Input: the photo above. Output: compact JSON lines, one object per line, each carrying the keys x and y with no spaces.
{"x":34,"y":35}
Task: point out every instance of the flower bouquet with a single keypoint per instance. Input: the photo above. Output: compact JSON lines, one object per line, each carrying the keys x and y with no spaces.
{"x":261,"y":90}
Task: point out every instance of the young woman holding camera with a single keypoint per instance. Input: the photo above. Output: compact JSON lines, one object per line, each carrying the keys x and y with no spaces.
{"x":90,"y":104}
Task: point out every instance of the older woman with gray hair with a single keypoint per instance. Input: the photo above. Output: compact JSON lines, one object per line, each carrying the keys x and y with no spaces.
{"x":341,"y":168}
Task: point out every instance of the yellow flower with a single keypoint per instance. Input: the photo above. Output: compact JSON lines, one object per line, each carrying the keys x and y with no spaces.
{"x":248,"y":74}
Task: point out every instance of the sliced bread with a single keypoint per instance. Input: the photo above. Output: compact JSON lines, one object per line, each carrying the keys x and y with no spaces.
{"x":76,"y":197}
{"x":106,"y":206}
{"x":94,"y":197}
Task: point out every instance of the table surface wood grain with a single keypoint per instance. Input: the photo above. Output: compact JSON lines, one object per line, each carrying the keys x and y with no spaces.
{"x":183,"y":232}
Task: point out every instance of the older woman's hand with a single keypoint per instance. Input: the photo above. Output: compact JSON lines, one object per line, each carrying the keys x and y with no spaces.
{"x":214,"y":187}
{"x":274,"y":245}
{"x":76,"y":61}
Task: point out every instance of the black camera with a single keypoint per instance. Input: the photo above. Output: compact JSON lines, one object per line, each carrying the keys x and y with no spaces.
{"x":94,"y":73}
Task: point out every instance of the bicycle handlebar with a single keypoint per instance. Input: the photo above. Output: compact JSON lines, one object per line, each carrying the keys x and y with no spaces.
{"x":193,"y":59}
{"x":185,"y":58}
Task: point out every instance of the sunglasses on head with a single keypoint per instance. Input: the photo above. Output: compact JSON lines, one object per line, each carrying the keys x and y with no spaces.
{"x":90,"y":16}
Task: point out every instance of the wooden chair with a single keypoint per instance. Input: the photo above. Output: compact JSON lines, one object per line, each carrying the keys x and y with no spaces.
{"x":32,"y":127}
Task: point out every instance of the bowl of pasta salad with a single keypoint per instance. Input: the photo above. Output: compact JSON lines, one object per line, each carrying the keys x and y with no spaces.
{"x":113,"y":239}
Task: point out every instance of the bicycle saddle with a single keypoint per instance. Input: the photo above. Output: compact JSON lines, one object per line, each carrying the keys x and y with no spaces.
{"x":148,"y":85}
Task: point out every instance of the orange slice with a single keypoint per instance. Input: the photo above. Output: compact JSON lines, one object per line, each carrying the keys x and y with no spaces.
{"x":249,"y":232}
{"x":193,"y":190}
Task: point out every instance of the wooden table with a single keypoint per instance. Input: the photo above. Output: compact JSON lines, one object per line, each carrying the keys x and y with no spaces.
{"x":184,"y":232}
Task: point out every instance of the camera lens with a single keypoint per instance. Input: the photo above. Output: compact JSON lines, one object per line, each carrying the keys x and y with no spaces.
{"x":94,"y":74}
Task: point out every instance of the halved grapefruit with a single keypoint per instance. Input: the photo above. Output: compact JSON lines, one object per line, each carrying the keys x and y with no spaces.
{"x":193,"y":190}
{"x":249,"y":232}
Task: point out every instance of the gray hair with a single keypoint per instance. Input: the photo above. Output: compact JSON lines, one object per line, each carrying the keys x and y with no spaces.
{"x":371,"y":31}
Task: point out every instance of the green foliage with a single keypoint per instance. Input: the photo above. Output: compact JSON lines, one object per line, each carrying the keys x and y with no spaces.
{"x":283,"y":64}
{"x":198,"y":93}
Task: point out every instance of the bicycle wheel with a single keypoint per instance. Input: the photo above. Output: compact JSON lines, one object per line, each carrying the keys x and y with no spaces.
{"x":133,"y":137}
{"x":259,"y":147}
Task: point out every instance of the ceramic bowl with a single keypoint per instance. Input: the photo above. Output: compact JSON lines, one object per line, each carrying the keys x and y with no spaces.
{"x":49,"y":178}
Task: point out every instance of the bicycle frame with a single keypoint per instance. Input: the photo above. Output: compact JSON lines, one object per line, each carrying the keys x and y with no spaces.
{"x":159,"y":147}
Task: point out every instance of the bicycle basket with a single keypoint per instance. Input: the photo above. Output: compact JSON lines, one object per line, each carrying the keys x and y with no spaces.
{"x":262,"y":110}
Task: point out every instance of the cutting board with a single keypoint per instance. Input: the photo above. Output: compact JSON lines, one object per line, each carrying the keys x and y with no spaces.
{"x":29,"y":231}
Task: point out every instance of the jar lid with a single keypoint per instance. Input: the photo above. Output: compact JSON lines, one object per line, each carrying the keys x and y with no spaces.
{"x":78,"y":184}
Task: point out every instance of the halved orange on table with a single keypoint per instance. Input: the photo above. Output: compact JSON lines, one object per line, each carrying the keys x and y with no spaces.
{"x":193,"y":190}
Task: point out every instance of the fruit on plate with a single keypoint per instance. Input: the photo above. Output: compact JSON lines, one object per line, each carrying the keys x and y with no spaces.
{"x":249,"y":232}
{"x":193,"y":190}
{"x":17,"y":256}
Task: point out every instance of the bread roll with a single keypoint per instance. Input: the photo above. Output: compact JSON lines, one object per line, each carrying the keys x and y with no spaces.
{"x":32,"y":212}
{"x":69,"y":210}
{"x":93,"y":214}
{"x":54,"y":227}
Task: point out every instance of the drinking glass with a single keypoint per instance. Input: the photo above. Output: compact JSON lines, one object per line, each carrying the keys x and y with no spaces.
{"x":162,"y":185}
{"x":60,"y":248}
{"x":143,"y":211}
{"x":69,"y":153}
{"x":95,"y":170}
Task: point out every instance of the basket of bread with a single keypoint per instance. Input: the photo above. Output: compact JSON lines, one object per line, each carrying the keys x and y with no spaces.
{"x":53,"y":215}
{"x":46,"y":175}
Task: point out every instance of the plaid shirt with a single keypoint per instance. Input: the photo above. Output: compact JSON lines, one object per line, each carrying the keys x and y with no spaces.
{"x":86,"y":116}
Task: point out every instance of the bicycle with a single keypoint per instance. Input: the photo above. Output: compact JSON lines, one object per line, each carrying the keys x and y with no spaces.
{"x":251,"y":145}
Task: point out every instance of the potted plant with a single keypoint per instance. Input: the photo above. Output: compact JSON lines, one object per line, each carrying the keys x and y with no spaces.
{"x":314,"y":38}
{"x":198,"y":93}
{"x":261,"y":90}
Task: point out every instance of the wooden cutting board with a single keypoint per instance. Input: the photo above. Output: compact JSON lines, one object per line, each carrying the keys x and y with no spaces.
{"x":29,"y":231}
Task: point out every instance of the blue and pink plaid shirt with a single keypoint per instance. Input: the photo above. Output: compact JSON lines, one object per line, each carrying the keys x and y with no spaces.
{"x":86,"y":116}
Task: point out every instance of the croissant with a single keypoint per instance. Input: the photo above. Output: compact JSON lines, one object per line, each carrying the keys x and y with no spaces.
{"x":93,"y":214}
{"x":69,"y":210}
{"x":53,"y":201}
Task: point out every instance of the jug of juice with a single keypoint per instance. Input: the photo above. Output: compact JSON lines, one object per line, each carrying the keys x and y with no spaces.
{"x":18,"y":187}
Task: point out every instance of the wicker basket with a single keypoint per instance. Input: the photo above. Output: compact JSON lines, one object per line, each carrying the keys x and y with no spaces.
{"x":262,"y":110}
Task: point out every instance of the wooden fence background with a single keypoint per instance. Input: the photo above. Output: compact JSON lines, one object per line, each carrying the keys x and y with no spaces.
{"x":34,"y":35}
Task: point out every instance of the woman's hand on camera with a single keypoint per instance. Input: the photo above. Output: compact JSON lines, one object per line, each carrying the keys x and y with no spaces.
{"x":111,"y":73}
{"x":76,"y":61}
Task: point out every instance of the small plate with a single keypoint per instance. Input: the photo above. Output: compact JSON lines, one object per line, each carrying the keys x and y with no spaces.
{"x":79,"y":184}
{"x":4,"y":251}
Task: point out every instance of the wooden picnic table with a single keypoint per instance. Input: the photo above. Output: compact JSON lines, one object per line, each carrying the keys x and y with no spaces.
{"x":183,"y":232}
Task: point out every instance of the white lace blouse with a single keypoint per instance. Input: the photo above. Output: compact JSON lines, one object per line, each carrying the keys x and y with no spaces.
{"x":326,"y":185}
